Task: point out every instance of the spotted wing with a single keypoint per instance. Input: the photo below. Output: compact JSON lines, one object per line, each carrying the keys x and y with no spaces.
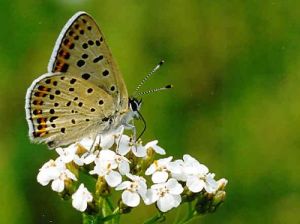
{"x":81,"y":50}
{"x":62,"y":108}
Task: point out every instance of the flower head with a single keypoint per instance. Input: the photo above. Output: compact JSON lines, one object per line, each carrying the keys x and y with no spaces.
{"x":108,"y":140}
{"x":67,"y":154}
{"x":198,"y":176}
{"x":153,"y":145}
{"x":167,"y":195}
{"x":133,"y":190}
{"x":81,"y":197}
{"x":126,"y":145}
{"x":56,"y":172}
{"x":159,"y":170}
{"x":105,"y":167}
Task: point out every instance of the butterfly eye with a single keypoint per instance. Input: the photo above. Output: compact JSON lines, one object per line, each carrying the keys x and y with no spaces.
{"x":134,"y":104}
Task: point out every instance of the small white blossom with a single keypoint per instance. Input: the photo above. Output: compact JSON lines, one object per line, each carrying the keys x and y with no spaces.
{"x":48,"y":172}
{"x":86,"y":158}
{"x":67,"y":154}
{"x":222,"y":183}
{"x":167,"y":195}
{"x":81,"y":197}
{"x":133,"y":190}
{"x":155,"y":147}
{"x":126,"y":145}
{"x":123,"y":164}
{"x":198,"y":176}
{"x":159,"y":170}
{"x":177,"y":170}
{"x":105,"y":165}
{"x":56,"y":172}
{"x":107,"y":140}
{"x":88,"y":143}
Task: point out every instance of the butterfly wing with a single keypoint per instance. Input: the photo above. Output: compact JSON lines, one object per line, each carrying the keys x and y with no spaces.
{"x":82,"y":89}
{"x":63,"y":108}
{"x":82,"y":50}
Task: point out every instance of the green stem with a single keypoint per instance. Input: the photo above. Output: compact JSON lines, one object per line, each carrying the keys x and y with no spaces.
{"x":106,"y":211}
{"x":113,"y":217}
{"x":154,"y":219}
{"x":109,"y":203}
{"x":190,"y":214}
{"x":90,"y":219}
{"x":177,"y":217}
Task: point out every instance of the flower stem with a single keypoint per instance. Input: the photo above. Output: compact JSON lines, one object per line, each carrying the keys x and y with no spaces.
{"x":109,"y":203}
{"x":155,"y":219}
{"x":90,"y":219}
{"x":114,"y":217}
{"x":190,"y":214}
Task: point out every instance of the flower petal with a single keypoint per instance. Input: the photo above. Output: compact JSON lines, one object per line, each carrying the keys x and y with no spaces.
{"x":124,"y":167}
{"x":151,"y":169}
{"x":123,"y":147}
{"x":194,"y":184}
{"x":81,"y":197}
{"x":123,"y":185}
{"x":107,"y":141}
{"x":58,"y":185}
{"x":177,"y":200}
{"x":150,"y":197}
{"x":113,"y":178}
{"x":211,"y":185}
{"x":87,"y":143}
{"x":174,"y":187}
{"x":155,"y":147}
{"x":165,"y":203}
{"x":139,"y":151}
{"x":132,"y":199}
{"x":160,"y":177}
{"x":107,"y":154}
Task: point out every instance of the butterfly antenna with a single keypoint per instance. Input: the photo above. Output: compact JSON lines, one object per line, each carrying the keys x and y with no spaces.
{"x":148,"y":76}
{"x":154,"y":90}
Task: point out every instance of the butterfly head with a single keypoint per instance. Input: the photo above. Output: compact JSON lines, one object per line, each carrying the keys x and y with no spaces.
{"x":134,"y":104}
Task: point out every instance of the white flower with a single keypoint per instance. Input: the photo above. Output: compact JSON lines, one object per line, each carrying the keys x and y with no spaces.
{"x":177,"y":170}
{"x":167,"y":195}
{"x":105,"y":165}
{"x":81,"y":197}
{"x":133,"y":190}
{"x":222,"y":183}
{"x":159,"y":170}
{"x":88,"y":143}
{"x":123,"y":164}
{"x":155,"y":147}
{"x":198,"y":176}
{"x":48,"y":172}
{"x":107,"y":140}
{"x":56,"y":172}
{"x":67,"y":154}
{"x":126,"y":145}
{"x":86,"y":158}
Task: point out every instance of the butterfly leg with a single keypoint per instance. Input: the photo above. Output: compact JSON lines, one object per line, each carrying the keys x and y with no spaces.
{"x":95,"y":143}
{"x":133,"y":128}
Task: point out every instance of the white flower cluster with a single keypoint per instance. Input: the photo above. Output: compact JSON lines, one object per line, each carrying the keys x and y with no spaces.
{"x":111,"y":160}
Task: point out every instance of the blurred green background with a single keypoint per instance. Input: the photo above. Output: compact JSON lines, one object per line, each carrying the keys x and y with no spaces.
{"x":235,"y":66}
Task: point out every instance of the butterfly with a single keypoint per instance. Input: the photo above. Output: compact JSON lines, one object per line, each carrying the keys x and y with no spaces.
{"x":83,"y":94}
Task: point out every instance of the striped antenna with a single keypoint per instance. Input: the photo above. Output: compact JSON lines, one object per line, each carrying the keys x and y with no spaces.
{"x":154,"y":90}
{"x":147,"y":77}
